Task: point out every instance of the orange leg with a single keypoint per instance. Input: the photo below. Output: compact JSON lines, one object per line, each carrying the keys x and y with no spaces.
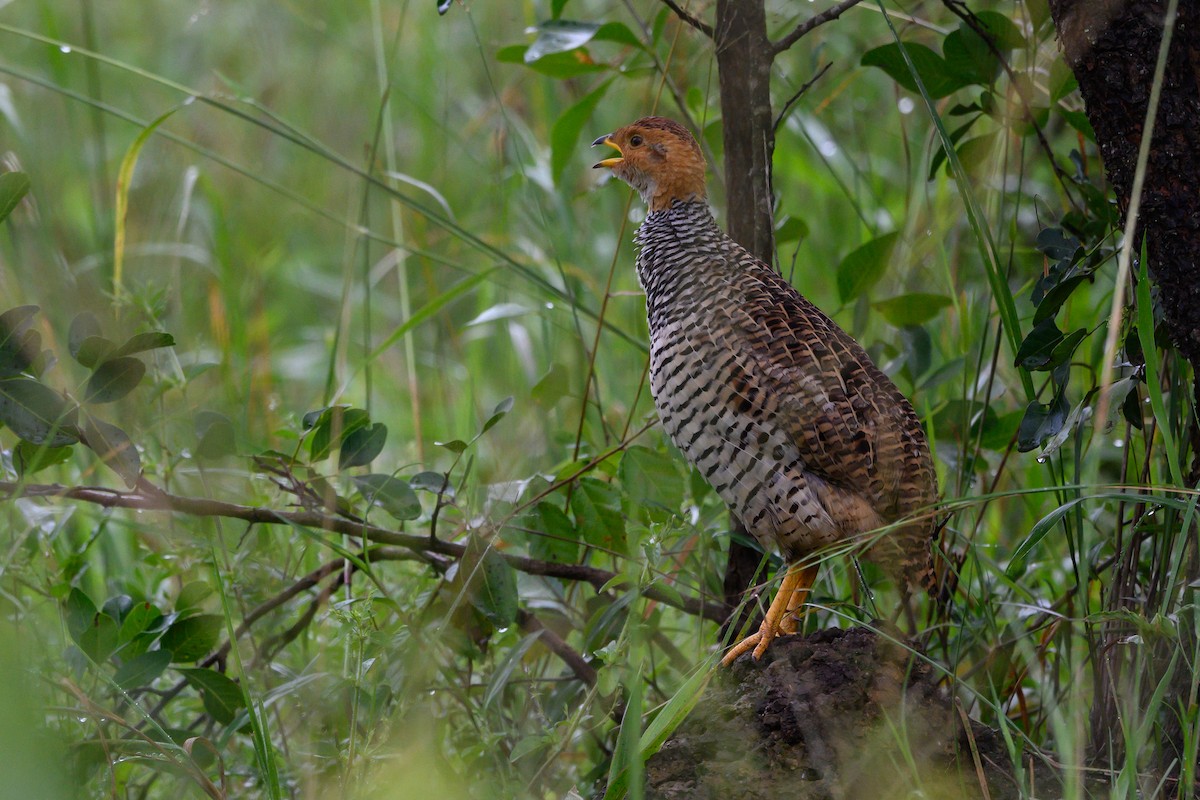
{"x":781,"y":614}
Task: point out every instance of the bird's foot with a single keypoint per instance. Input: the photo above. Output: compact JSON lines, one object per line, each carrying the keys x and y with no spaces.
{"x":782,"y":616}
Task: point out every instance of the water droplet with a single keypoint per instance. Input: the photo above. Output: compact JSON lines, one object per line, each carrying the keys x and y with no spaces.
{"x":1118,"y":442}
{"x":906,"y":105}
{"x":1042,"y":459}
{"x":64,"y":49}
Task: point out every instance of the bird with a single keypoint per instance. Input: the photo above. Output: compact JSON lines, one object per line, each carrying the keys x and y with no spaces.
{"x":786,"y":416}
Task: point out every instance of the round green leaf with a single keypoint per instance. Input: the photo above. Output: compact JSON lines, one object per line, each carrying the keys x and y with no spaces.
{"x":222,"y":697}
{"x":193,"y":638}
{"x":860,"y":270}
{"x":362,"y":446}
{"x":37,"y":413}
{"x":394,"y":495}
{"x":141,"y":670}
{"x":113,"y":379}
{"x":115,"y":449}
{"x":912,"y":309}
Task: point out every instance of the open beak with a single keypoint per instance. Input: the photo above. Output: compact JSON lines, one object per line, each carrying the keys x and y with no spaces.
{"x":608,"y":162}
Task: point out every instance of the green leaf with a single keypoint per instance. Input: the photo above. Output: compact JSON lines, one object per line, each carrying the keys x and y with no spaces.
{"x":13,"y":188}
{"x":552,"y":386}
{"x":393,"y":495}
{"x":362,"y":446}
{"x":142,"y":342}
{"x":793,"y":229}
{"x":1080,"y":122}
{"x":1041,"y":422}
{"x":142,"y":669}
{"x":912,"y":309}
{"x":114,"y":379}
{"x":651,"y":480}
{"x":140,"y":618}
{"x":215,"y":437}
{"x":932,"y":68}
{"x":1062,"y":80}
{"x":84,"y":326}
{"x":222,"y":697}
{"x":619,"y":33}
{"x":1038,"y":347}
{"x":19,"y":346}
{"x":564,"y":136}
{"x":863,"y":267}
{"x":192,"y":595}
{"x":115,"y":449}
{"x":435,"y":482}
{"x":99,"y":639}
{"x":29,"y":458}
{"x":491,"y":582}
{"x":502,"y":408}
{"x":503,"y":672}
{"x":1053,"y":299}
{"x":457,"y":446}
{"x":192,"y":638}
{"x":332,"y":425}
{"x":124,"y":181}
{"x":79,"y":610}
{"x":559,"y":36}
{"x":1066,"y":348}
{"x":551,"y":534}
{"x":93,"y":350}
{"x":955,"y":135}
{"x":1003,"y":31}
{"x":597,"y":509}
{"x":968,"y":58}
{"x":555,"y":65}
{"x":976,"y":151}
{"x":37,"y":413}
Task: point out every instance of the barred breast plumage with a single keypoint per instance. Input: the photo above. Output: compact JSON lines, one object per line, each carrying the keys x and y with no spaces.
{"x":783,"y":412}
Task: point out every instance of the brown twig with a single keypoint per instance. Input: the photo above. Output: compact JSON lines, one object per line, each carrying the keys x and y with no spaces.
{"x":557,"y":645}
{"x":783,"y":112}
{"x":149,"y":498}
{"x":699,"y":25}
{"x":802,"y":30}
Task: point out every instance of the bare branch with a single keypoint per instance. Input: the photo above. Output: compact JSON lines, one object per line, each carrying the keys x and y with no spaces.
{"x":149,"y":498}
{"x":808,"y":25}
{"x":800,"y":93}
{"x":557,"y":645}
{"x":699,"y":25}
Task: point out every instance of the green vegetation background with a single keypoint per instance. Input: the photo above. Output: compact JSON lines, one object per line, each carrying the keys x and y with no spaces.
{"x":374,"y":205}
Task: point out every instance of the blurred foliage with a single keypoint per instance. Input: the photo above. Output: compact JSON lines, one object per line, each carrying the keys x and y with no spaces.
{"x":397,"y":299}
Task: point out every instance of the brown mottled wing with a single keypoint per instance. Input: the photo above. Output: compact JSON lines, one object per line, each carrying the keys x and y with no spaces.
{"x":854,"y":428}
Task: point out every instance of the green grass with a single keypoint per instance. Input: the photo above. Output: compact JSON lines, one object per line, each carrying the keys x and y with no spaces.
{"x":263,"y":228}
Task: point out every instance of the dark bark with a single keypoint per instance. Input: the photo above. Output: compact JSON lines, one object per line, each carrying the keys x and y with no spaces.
{"x":744,"y":58}
{"x":744,"y":55}
{"x":1112,"y":46}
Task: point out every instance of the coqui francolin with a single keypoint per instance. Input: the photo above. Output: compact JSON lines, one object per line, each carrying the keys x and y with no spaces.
{"x":784,"y":414}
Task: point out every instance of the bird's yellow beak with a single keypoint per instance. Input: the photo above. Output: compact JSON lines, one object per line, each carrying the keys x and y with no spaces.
{"x":608,"y":162}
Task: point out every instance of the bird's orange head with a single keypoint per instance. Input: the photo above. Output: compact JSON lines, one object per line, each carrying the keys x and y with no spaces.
{"x":659,"y":158}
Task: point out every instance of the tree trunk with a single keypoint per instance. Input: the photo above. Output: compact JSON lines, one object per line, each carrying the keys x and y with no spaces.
{"x":744,"y":58}
{"x":1112,"y":46}
{"x":744,"y":65}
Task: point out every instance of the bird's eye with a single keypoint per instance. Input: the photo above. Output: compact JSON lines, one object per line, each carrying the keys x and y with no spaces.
{"x":635,"y":141}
